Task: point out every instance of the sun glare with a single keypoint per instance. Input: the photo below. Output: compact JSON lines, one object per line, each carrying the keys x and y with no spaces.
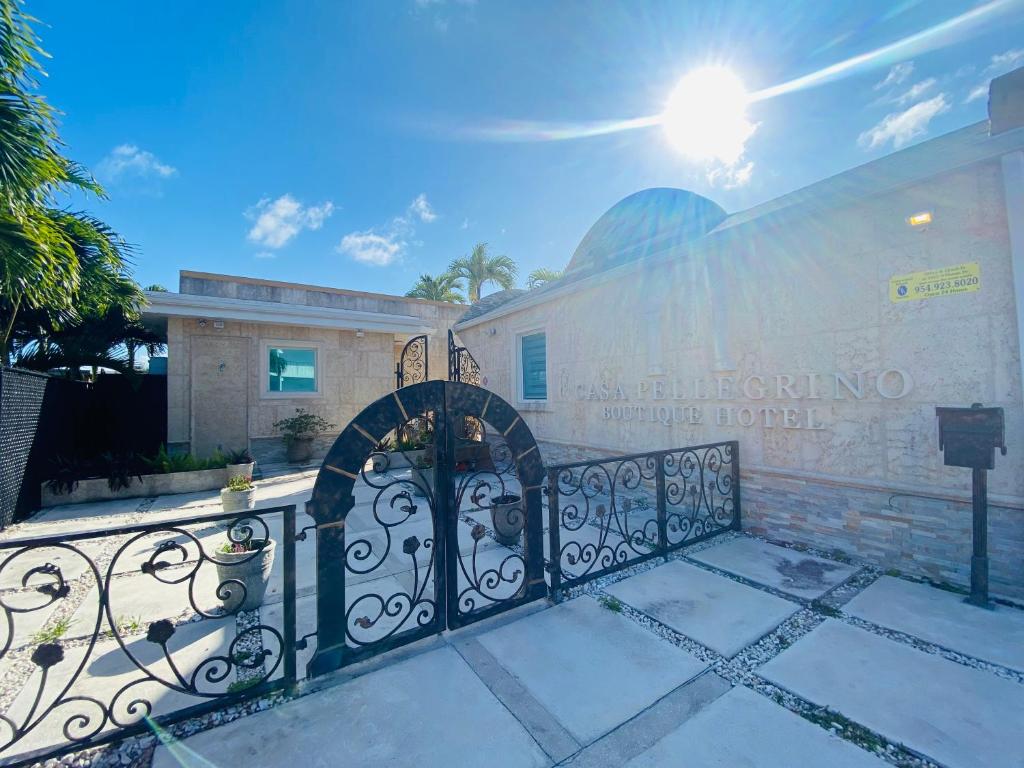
{"x":706,"y":116}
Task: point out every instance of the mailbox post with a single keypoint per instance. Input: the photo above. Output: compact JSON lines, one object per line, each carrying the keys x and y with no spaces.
{"x":968,"y":437}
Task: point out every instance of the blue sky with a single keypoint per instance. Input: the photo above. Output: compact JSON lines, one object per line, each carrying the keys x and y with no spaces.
{"x":357,"y":144}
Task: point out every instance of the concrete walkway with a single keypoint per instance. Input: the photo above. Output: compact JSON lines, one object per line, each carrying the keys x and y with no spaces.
{"x":670,"y":661}
{"x":735,"y":652}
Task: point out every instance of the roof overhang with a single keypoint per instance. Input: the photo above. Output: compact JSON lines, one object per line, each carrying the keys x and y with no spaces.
{"x":161,"y":304}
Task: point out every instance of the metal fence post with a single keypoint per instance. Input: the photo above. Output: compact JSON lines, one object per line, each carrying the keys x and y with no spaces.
{"x":735,"y":445}
{"x":290,"y":661}
{"x":555,"y":546}
{"x":659,"y":481}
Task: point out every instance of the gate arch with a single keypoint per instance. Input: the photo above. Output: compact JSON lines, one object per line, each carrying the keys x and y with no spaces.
{"x":409,"y":552}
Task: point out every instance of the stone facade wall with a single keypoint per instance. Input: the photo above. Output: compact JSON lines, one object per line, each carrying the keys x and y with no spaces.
{"x":800,"y":294}
{"x":354,"y":370}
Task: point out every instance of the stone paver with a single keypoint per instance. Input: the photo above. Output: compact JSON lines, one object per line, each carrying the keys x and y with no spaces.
{"x":959,"y":716}
{"x":743,"y":729}
{"x":430,"y":710}
{"x":718,"y":612}
{"x":786,"y":570}
{"x":593,"y":669}
{"x":943,"y":618}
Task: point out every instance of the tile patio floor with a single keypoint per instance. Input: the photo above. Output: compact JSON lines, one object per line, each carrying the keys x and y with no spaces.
{"x":715,"y":658}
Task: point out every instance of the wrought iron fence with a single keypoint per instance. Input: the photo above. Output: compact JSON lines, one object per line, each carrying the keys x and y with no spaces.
{"x":78,"y":668}
{"x":462,"y":366}
{"x":607,"y":514}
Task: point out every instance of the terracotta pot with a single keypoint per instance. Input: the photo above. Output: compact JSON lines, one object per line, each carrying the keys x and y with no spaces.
{"x":236,"y":501}
{"x":508,"y":515}
{"x":300,"y":449}
{"x":241,"y":470}
{"x":251,"y":569}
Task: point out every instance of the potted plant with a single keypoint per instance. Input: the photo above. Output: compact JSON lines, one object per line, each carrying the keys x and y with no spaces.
{"x":240,"y":464}
{"x":508,"y":517}
{"x":299,"y":431}
{"x":414,"y":441}
{"x":381,"y":458}
{"x":422,"y":477}
{"x":247,"y":563}
{"x":238,"y":494}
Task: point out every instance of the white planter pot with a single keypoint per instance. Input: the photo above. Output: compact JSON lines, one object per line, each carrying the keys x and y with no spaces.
{"x":241,"y":470}
{"x":508,"y":515}
{"x":251,"y":569}
{"x":237,"y":501}
{"x":398,"y":460}
{"x":96,"y":489}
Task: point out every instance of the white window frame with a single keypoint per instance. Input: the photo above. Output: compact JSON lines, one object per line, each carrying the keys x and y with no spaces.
{"x":517,"y":367}
{"x":266,"y":345}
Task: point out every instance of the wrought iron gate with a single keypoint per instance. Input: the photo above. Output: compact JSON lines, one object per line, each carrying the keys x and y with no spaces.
{"x":428,"y":512}
{"x":462,"y":365}
{"x":413,"y":364}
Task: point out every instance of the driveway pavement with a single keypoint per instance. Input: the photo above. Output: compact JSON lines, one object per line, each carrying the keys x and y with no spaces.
{"x":735,"y":652}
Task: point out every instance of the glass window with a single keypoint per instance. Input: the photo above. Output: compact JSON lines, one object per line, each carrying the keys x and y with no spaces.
{"x":291,"y":369}
{"x":535,"y":367}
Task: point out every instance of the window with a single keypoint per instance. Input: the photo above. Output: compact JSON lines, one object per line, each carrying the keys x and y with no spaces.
{"x":534,"y":364}
{"x":291,"y":369}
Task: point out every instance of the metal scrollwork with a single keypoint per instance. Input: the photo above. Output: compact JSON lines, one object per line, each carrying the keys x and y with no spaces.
{"x":462,"y":366}
{"x":413,"y":364}
{"x":180,"y":559}
{"x":603,"y":518}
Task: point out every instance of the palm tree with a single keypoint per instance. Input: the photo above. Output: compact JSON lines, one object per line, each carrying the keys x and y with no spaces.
{"x":541,"y":276}
{"x":444,"y":287}
{"x":50,"y":260}
{"x":480,"y":267}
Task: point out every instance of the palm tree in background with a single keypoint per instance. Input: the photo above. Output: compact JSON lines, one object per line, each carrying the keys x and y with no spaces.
{"x":444,"y":287}
{"x":480,"y":267}
{"x":540,"y":276}
{"x":56,"y":266}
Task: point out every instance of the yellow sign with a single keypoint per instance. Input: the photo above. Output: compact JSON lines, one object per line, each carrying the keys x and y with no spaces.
{"x":947,"y":281}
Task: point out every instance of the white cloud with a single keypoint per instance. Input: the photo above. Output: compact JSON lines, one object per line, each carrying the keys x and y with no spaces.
{"x":266,"y":255}
{"x":384,"y":247}
{"x":1005,"y":61}
{"x":465,"y":224}
{"x":977,"y":92}
{"x":276,"y":222}
{"x":897,"y":74}
{"x":999,"y":64}
{"x":371,"y":248}
{"x":916,"y":91}
{"x":731,"y":176}
{"x":420,"y":207}
{"x":127,"y":160}
{"x":902,"y":127}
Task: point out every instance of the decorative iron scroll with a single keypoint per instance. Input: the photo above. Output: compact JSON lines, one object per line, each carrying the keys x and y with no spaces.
{"x":610,"y":513}
{"x":43,"y":580}
{"x":408,"y":505}
{"x":462,"y":366}
{"x":413,"y":364}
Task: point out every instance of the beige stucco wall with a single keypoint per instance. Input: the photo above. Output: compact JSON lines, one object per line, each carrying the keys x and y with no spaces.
{"x":794,"y":294}
{"x":798,"y":295}
{"x":354,"y":370}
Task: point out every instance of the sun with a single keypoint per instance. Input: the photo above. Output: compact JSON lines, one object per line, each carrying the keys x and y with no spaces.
{"x":706,"y":116}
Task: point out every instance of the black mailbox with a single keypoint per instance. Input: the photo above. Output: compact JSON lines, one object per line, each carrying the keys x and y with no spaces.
{"x":968,"y":437}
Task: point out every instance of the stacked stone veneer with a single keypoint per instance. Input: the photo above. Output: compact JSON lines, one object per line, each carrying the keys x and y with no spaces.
{"x":923,"y":536}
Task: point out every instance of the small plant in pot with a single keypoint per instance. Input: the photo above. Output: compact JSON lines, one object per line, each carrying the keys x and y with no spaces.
{"x":238,"y":494}
{"x":240,"y":464}
{"x":381,"y":456}
{"x":299,"y":431}
{"x":243,"y":571}
{"x":422,"y":477}
{"x":508,"y":515}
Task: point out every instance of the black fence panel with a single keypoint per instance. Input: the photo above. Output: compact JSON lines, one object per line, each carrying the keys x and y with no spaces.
{"x":607,"y":514}
{"x":43,"y":417}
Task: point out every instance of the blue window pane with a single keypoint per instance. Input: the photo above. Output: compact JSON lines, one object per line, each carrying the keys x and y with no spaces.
{"x":292,"y":370}
{"x":535,"y":368}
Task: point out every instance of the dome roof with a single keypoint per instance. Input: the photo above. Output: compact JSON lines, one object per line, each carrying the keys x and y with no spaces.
{"x":643,"y":223}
